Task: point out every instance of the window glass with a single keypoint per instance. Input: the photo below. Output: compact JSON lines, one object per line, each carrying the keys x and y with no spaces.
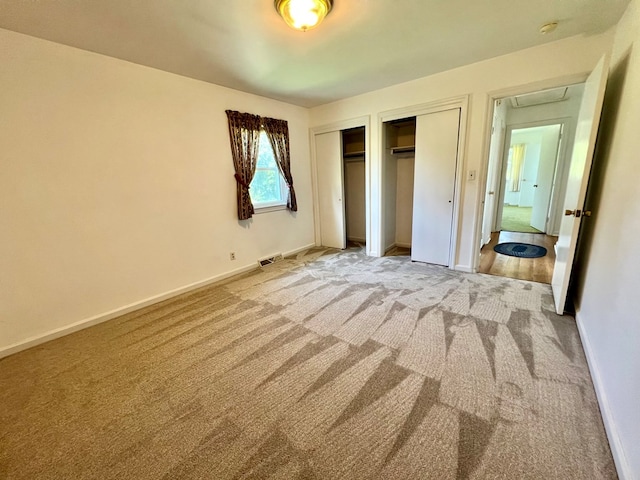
{"x":267,"y":186}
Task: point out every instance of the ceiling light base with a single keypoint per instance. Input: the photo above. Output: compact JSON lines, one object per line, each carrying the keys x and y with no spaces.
{"x":303,"y":15}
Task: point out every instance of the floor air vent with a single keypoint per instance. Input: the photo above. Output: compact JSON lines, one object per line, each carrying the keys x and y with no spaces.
{"x":263,"y":262}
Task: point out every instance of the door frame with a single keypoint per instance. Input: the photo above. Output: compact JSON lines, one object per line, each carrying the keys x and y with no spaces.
{"x":364,"y":121}
{"x":461,"y":102}
{"x":491,"y":98}
{"x":559,"y":172}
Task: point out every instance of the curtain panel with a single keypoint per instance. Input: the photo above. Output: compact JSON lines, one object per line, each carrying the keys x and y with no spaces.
{"x":244,"y":135}
{"x":278,"y":133}
{"x":517,"y":161}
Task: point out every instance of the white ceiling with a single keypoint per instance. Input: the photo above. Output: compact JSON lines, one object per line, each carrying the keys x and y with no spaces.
{"x":361,"y":46}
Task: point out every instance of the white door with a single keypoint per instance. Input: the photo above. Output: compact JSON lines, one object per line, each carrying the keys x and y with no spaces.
{"x":579,"y":170}
{"x":495,"y":157}
{"x":529,"y":175}
{"x":544,"y":179}
{"x":434,"y":185}
{"x":330,"y":189}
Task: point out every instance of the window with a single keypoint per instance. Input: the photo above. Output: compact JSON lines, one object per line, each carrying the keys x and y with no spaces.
{"x":268,"y":188}
{"x":266,"y":168}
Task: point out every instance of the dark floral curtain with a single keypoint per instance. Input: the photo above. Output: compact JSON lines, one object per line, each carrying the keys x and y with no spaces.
{"x":244,"y":135}
{"x":278,"y":133}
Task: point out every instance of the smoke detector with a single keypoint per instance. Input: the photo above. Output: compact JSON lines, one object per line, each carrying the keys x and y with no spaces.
{"x":548,"y":27}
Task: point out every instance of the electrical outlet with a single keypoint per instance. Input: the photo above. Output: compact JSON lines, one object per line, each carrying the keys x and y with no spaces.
{"x":232,"y":256}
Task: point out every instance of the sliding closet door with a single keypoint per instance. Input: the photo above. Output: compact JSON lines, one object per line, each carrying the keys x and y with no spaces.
{"x":434,"y":184}
{"x":330,"y":189}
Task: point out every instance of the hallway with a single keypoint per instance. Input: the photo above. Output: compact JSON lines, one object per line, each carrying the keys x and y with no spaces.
{"x":534,"y":269}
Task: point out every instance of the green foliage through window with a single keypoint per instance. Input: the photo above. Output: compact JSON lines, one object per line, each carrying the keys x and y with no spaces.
{"x":267,"y":186}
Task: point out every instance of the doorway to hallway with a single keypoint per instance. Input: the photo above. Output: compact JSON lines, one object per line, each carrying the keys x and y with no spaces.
{"x":532,"y":269}
{"x":531,"y":145}
{"x":528,"y":177}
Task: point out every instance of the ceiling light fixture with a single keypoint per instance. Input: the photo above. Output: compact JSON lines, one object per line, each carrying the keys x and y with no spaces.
{"x":303,"y":14}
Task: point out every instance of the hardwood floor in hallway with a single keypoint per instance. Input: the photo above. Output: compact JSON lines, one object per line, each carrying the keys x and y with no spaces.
{"x":534,"y":269}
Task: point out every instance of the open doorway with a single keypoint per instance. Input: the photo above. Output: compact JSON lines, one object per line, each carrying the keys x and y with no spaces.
{"x":398,"y":182}
{"x":531,"y":162}
{"x":353,"y":163}
{"x":530,"y":151}
{"x":419,"y":175}
{"x":339,"y":153}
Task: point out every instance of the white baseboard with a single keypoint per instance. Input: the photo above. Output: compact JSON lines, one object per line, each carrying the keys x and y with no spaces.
{"x":464,"y":268}
{"x":357,"y":239}
{"x":617,"y":450}
{"x":298,"y":250}
{"x":397,"y":244}
{"x":103,"y":317}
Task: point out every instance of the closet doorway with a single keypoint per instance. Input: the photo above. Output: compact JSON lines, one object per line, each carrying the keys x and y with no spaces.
{"x":420,"y":174}
{"x":398,"y":184}
{"x":340,"y":157}
{"x":354,"y":168}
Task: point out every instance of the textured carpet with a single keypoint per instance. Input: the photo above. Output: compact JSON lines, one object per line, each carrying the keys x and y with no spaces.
{"x":517,"y":219}
{"x":331,"y":365}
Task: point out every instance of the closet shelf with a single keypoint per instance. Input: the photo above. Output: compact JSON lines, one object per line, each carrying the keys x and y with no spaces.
{"x":407,"y":149}
{"x":353,"y":154}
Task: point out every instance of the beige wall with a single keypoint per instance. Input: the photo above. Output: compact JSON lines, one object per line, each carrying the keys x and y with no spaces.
{"x":404,"y":199}
{"x":390,"y":200}
{"x":354,"y":185}
{"x":116,"y":186}
{"x":541,"y":66}
{"x":609,"y":258}
{"x":398,"y":200}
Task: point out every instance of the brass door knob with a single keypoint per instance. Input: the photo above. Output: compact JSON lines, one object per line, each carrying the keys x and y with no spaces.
{"x":576,"y":213}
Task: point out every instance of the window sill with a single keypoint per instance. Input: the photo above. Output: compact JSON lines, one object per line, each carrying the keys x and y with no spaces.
{"x":271,"y":208}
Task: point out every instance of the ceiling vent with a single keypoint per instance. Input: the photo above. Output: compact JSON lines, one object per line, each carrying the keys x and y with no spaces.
{"x":540,"y":98}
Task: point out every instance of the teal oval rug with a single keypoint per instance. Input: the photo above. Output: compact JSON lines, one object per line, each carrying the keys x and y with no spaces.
{"x":522,"y":250}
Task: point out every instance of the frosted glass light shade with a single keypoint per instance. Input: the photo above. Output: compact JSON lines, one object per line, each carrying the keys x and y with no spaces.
{"x":303,"y":14}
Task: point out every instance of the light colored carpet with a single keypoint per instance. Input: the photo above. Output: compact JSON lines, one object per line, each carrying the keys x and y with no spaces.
{"x":517,"y":219}
{"x":332,"y":365}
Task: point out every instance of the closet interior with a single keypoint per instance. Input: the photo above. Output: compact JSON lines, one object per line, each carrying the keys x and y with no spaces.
{"x":353,"y":160}
{"x":398,"y":178}
{"x":418,"y":177}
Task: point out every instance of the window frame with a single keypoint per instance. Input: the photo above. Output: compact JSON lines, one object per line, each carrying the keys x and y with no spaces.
{"x":281,"y":204}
